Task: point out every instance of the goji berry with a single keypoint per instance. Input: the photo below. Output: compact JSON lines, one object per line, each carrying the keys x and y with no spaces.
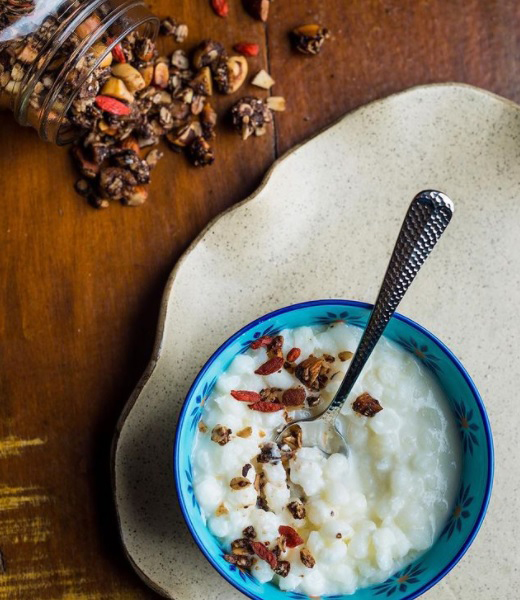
{"x":265,"y":340}
{"x":113,"y":106}
{"x":264,"y":553}
{"x":292,"y":538}
{"x":245,"y":396}
{"x":266,"y":406}
{"x":221,"y":7}
{"x":293,"y":354}
{"x":271,"y":366}
{"x":247,"y":48}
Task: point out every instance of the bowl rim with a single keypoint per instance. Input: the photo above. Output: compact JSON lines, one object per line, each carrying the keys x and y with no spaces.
{"x":338,"y":302}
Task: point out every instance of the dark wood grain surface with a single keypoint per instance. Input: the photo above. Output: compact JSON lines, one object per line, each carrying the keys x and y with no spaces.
{"x":80,"y":288}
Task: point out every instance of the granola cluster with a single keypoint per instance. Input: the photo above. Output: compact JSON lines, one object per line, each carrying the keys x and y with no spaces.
{"x":127,"y":96}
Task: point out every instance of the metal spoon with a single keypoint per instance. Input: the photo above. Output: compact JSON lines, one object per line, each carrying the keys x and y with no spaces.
{"x":428,"y":216}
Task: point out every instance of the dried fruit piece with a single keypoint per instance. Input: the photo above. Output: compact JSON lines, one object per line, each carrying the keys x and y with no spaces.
{"x":245,"y":433}
{"x":239,"y":483}
{"x":131,"y":77}
{"x":245,"y":396}
{"x":112,"y":106}
{"x":244,"y":562}
{"x":345,"y":355}
{"x":307,"y":558}
{"x":258,"y":9}
{"x":292,"y":537}
{"x":271,"y":366}
{"x":309,"y":39}
{"x":220,"y":7}
{"x":293,"y":354}
{"x":294,"y":397}
{"x":264,"y":553}
{"x":220,"y":434}
{"x":266,"y":406}
{"x":282,"y":568}
{"x":265,"y":340}
{"x":366,"y":405}
{"x":263,"y":80}
{"x":297,"y":509}
{"x":247,"y":48}
{"x":118,"y":53}
{"x":230,"y":73}
{"x":249,"y":532}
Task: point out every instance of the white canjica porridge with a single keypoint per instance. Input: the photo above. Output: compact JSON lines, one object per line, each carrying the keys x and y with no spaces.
{"x":307,"y":522}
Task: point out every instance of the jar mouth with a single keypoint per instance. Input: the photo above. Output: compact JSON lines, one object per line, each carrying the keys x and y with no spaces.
{"x":124,"y":17}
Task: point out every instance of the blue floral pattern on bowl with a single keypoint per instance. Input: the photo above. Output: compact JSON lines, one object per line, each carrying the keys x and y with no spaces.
{"x":477,"y":468}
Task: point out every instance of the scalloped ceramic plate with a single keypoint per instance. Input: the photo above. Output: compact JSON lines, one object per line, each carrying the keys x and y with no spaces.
{"x":322,"y":225}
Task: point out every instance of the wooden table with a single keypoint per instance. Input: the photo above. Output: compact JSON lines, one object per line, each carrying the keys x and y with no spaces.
{"x":80,"y":288}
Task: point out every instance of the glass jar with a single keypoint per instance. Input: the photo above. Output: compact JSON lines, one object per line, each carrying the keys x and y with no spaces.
{"x":49,"y":50}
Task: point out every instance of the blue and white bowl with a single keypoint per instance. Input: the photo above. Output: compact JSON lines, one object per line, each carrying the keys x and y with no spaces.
{"x":475,"y":432}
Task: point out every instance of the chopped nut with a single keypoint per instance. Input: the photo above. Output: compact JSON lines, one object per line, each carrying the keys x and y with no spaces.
{"x":366,"y":405}
{"x":180,"y":60}
{"x":161,"y":75}
{"x":145,"y":49}
{"x":312,"y":372}
{"x":135,"y":196}
{"x":131,"y":77}
{"x":258,"y":9}
{"x":116,"y":88}
{"x":185,"y":136}
{"x":269,"y":453}
{"x":309,"y":39}
{"x":282,"y":568}
{"x":297,"y":509}
{"x":202,"y":83}
{"x":276,"y":103}
{"x":206,"y":53}
{"x":263,"y":80}
{"x":238,"y":483}
{"x":98,"y":49}
{"x":244,"y":562}
{"x":202,"y":427}
{"x":153,"y":157}
{"x":249,"y":115}
{"x":275,"y":347}
{"x":221,"y":510}
{"x":241,"y":547}
{"x":230,"y":73}
{"x":270,"y":394}
{"x":294,"y":437}
{"x":86,"y":167}
{"x":208,"y":120}
{"x":345,"y":355}
{"x":147,"y":73}
{"x":294,"y":397}
{"x":313,"y":401}
{"x":245,"y":433}
{"x":249,"y":532}
{"x":307,"y":558}
{"x":220,"y":434}
{"x":201,"y":153}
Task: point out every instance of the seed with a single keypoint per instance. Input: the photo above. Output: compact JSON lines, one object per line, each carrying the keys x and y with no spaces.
{"x":239,"y":483}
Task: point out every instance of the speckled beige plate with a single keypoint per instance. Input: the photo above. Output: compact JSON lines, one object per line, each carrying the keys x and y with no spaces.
{"x":322,"y":225}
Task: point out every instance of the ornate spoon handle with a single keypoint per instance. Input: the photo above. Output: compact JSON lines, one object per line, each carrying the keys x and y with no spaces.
{"x":428,"y":216}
